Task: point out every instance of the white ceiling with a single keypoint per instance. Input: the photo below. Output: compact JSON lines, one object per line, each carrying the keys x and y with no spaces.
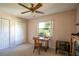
{"x":47,"y":8}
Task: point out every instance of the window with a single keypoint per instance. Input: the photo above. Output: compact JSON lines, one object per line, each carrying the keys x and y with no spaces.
{"x":45,"y":29}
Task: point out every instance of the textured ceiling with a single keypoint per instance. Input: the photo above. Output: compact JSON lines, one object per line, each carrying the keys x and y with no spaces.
{"x":47,"y":8}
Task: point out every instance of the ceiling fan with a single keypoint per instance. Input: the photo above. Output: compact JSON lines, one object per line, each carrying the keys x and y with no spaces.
{"x":32,"y":9}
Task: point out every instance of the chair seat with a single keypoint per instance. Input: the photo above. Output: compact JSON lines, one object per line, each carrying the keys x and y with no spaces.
{"x":38,"y":44}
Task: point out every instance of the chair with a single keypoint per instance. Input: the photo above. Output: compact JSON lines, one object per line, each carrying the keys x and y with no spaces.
{"x":37,"y":44}
{"x":63,"y":46}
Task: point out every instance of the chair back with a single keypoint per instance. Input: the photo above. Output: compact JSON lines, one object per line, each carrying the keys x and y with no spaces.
{"x":36,"y":41}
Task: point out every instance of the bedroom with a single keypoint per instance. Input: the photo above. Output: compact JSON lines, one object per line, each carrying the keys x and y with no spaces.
{"x":17,"y":27}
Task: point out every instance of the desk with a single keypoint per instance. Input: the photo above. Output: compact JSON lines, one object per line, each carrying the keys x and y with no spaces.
{"x":42,"y":40}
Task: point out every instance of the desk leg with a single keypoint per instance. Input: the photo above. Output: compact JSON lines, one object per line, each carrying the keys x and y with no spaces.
{"x":47,"y":46}
{"x":56,"y":48}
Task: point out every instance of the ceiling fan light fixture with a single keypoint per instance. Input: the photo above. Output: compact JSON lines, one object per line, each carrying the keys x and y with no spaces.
{"x":33,"y":14}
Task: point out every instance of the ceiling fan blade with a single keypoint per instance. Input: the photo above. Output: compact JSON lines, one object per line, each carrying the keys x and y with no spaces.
{"x":37,"y":6}
{"x":23,"y":6}
{"x":39,"y":12}
{"x":32,"y":4}
{"x":25,"y":12}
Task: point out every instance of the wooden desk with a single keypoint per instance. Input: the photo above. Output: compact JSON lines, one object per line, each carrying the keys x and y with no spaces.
{"x":43,"y":40}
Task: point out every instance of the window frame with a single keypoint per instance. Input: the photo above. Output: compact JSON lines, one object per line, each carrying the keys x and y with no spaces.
{"x":51,"y":29}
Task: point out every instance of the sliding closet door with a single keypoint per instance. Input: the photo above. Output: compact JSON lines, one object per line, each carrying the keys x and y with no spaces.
{"x":20,"y":32}
{"x":4,"y":39}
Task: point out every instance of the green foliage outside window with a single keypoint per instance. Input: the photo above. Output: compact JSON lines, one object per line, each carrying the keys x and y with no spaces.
{"x":45,"y":30}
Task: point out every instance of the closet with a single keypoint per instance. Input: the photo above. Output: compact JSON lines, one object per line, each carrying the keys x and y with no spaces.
{"x":12,"y":33}
{"x":20,"y":32}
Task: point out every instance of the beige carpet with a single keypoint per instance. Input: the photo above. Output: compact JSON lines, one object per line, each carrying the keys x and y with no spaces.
{"x":26,"y":50}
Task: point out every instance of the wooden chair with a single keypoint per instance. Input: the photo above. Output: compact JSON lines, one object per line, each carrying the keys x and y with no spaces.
{"x":63,"y":46}
{"x":37,"y":44}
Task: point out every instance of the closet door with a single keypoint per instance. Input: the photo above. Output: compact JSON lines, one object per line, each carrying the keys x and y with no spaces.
{"x":20,"y":32}
{"x":5,"y":34}
{"x":12,"y":34}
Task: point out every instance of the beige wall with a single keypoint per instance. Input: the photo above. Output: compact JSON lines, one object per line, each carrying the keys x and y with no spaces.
{"x":63,"y":26}
{"x":77,"y":19}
